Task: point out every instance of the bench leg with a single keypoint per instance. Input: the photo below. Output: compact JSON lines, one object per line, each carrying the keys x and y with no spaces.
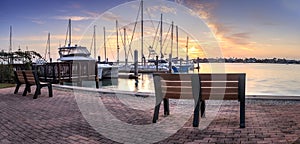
{"x":50,"y":90}
{"x":242,"y":114}
{"x":203,"y":109}
{"x":17,"y":88}
{"x":196,"y":114}
{"x":156,"y":113}
{"x":27,"y":89}
{"x":37,"y":92}
{"x":166,"y":107}
{"x":97,"y":84}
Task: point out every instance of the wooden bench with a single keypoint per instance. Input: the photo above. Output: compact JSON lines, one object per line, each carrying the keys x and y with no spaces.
{"x":200,"y":87}
{"x":19,"y":78}
{"x":31,"y":78}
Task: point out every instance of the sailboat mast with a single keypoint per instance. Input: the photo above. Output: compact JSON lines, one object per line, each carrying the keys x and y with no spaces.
{"x":49,"y":46}
{"x":172,"y":27}
{"x":95,"y":42}
{"x":10,"y":39}
{"x":104,"y":43}
{"x":125,"y":47}
{"x":187,"y":49}
{"x":161,"y":36}
{"x":142,"y":30}
{"x":70,"y":34}
{"x":118,"y":48}
{"x":177,"y":40}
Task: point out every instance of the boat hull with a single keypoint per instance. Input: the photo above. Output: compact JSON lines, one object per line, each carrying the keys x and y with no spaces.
{"x":107,"y":71}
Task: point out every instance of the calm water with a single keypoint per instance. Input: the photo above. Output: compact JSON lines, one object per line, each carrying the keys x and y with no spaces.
{"x":262,"y":79}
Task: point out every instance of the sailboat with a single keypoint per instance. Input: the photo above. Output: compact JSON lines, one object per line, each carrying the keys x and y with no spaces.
{"x":150,"y":67}
{"x":105,"y":69}
{"x":183,"y":67}
{"x":163,"y":64}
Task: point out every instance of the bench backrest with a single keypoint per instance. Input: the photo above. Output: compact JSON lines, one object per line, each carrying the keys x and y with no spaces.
{"x":226,"y":86}
{"x":19,"y":76}
{"x":30,"y":77}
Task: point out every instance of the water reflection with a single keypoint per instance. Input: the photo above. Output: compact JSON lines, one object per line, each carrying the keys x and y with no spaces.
{"x":145,"y":84}
{"x":262,"y":79}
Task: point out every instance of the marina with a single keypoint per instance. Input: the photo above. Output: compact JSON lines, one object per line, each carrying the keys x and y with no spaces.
{"x":264,"y":76}
{"x":149,"y":71}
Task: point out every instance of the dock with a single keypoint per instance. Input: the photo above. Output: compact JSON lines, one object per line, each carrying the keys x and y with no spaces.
{"x":61,"y":72}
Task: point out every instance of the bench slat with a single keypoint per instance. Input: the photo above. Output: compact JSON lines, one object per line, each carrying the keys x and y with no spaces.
{"x":203,"y":89}
{"x":175,"y":77}
{"x":219,"y":84}
{"x":30,"y":77}
{"x":205,"y":96}
{"x":219,"y":77}
{"x":219,"y":90}
{"x":20,"y":76}
{"x":203,"y":83}
{"x":204,"y":77}
{"x":177,"y":95}
{"x":220,"y":96}
{"x":176,"y":83}
{"x":177,"y":89}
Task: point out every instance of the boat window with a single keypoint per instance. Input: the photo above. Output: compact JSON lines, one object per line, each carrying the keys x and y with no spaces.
{"x":64,"y":51}
{"x":79,"y":50}
{"x":71,"y":51}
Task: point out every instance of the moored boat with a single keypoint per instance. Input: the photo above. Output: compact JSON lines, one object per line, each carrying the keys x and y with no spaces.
{"x":80,"y":53}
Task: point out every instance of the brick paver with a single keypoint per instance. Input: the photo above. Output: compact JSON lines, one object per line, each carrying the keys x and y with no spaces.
{"x":59,"y":120}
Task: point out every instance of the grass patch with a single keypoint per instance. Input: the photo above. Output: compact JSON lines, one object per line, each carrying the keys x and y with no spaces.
{"x":5,"y":85}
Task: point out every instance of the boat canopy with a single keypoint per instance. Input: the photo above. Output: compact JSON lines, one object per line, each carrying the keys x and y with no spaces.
{"x":73,"y":51}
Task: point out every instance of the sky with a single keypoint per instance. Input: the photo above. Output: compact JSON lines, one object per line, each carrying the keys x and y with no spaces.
{"x":216,"y":28}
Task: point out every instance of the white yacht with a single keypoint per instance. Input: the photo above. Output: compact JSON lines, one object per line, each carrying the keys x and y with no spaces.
{"x":80,"y":53}
{"x":73,"y":53}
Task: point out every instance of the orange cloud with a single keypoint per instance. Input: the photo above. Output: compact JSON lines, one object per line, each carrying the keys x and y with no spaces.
{"x":231,"y":42}
{"x":74,"y":18}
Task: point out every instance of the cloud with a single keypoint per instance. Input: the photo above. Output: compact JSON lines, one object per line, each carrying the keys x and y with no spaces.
{"x":226,"y":34}
{"x":40,"y":22}
{"x":162,"y":8}
{"x":204,"y":10}
{"x":243,"y":35}
{"x":91,"y":13}
{"x":77,"y":29}
{"x":109,"y":16}
{"x":36,"y":20}
{"x":239,"y":38}
{"x":74,"y":18}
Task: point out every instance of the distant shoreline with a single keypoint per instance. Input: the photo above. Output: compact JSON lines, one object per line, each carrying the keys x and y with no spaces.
{"x":246,"y":60}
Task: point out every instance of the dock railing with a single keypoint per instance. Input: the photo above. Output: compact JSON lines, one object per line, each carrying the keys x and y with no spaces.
{"x":73,"y":72}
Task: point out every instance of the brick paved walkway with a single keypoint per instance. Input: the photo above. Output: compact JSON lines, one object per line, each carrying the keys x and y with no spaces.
{"x":59,"y":120}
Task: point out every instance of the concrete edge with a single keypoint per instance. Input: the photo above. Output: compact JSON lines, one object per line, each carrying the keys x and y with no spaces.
{"x":147,"y":94}
{"x":272,"y":97}
{"x":105,"y":91}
